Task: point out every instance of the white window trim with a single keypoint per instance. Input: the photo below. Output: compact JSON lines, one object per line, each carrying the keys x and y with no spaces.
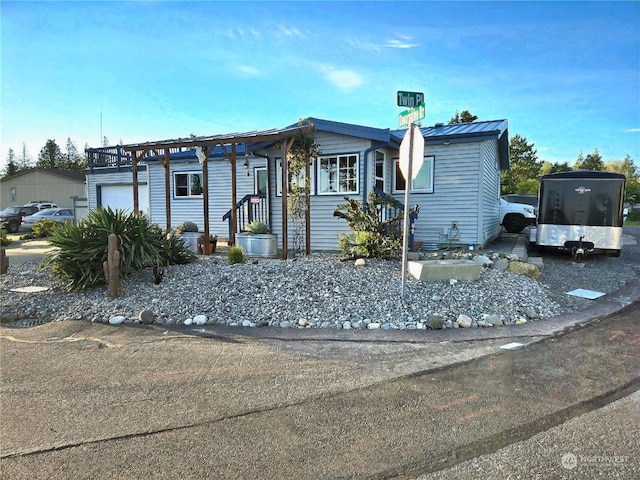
{"x":255,"y":177}
{"x":175,"y":183}
{"x":428,"y":159}
{"x":337,"y":157}
{"x":298,"y":181}
{"x":384,"y":170}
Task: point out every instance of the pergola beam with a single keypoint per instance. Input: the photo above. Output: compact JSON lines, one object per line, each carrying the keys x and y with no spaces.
{"x":208,"y":144}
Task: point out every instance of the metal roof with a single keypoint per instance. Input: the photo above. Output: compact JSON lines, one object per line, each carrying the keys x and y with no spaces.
{"x":466,"y":132}
{"x":473,"y":129}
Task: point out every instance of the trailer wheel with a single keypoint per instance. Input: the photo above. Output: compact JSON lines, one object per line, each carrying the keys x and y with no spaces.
{"x":514,"y":223}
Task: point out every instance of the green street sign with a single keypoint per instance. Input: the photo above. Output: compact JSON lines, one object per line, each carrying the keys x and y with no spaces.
{"x":412,"y":115}
{"x":410,"y":99}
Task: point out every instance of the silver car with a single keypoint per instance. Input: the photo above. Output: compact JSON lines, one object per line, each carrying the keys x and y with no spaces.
{"x":55,"y":214}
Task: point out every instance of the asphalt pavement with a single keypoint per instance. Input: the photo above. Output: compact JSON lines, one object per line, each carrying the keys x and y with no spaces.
{"x":82,"y":400}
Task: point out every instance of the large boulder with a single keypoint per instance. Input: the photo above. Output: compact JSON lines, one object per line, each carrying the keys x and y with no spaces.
{"x":523,"y":268}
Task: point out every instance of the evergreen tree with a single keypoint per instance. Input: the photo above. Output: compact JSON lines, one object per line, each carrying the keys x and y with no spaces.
{"x":592,"y":161}
{"x":24,"y":161}
{"x":548,"y":167}
{"x":73,"y":161}
{"x":465,"y":117}
{"x":629,"y":170}
{"x":12,"y":167}
{"x":50,"y":156}
{"x":524,"y":167}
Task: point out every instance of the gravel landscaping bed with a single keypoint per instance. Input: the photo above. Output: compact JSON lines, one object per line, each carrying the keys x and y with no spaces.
{"x":323,"y":291}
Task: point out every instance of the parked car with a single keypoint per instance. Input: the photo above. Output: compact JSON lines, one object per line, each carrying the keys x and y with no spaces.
{"x":41,"y":205}
{"x":12,"y":217}
{"x":55,"y":214}
{"x":515,"y":216}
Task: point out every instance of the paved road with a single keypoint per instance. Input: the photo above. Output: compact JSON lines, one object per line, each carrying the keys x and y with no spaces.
{"x":82,"y":400}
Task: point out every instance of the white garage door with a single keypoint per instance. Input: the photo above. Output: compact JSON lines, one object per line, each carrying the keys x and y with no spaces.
{"x":121,"y":197}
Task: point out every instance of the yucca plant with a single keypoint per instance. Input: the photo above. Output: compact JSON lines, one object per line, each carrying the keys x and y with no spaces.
{"x":82,"y":248}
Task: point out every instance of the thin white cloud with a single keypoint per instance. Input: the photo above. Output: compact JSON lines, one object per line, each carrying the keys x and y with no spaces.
{"x":249,"y":71}
{"x":285,"y":31}
{"x":632,"y":130}
{"x":342,"y":78}
{"x":239,"y":32}
{"x":402,"y":42}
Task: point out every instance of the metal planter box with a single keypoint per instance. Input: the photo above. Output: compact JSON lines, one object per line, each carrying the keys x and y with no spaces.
{"x":258,"y":244}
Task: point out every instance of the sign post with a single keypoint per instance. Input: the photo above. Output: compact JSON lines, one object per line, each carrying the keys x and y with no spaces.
{"x":414,"y":100}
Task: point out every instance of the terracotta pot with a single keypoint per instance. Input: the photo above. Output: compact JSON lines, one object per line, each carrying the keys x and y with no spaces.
{"x":208,"y":248}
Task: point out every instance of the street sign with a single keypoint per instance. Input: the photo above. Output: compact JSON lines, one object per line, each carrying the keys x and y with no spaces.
{"x":410,"y":99}
{"x":416,"y":155}
{"x":412,"y":115}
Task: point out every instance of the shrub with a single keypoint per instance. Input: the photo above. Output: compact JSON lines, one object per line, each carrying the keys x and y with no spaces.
{"x":258,"y":227}
{"x":372,"y":236}
{"x":186,"y":227}
{"x":82,"y":248}
{"x":633,"y":217}
{"x":236,"y":255}
{"x":4,"y":241}
{"x":43,"y":228}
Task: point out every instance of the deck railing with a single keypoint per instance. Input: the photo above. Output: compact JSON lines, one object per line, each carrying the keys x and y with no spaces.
{"x":391,"y":212}
{"x":249,"y":209}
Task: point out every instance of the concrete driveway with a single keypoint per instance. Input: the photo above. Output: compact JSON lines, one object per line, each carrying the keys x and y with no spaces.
{"x":21,"y":251}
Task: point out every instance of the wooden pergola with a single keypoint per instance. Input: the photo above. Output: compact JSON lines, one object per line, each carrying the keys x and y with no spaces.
{"x":204,"y":147}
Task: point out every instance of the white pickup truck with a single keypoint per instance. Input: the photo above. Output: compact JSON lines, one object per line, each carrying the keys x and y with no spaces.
{"x":515,"y":216}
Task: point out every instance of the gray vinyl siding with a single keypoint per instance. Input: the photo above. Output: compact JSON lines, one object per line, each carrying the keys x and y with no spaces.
{"x":325,"y":228}
{"x":455,"y":196}
{"x":192,"y":209}
{"x":489,"y":216}
{"x":94,"y":180}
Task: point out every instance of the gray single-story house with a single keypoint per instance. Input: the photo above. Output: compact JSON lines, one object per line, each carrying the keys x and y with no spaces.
{"x":458,"y":183}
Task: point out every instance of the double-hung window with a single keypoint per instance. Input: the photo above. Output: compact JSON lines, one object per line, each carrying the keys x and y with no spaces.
{"x":423,"y":181}
{"x":338,"y":174}
{"x":187,"y":184}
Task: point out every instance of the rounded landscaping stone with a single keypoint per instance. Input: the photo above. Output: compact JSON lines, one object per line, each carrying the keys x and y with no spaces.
{"x":147,"y":316}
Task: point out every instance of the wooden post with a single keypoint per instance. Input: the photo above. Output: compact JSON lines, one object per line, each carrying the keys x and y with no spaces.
{"x":307,"y":213}
{"x":4,"y":261}
{"x":111,"y":267}
{"x":136,"y":202}
{"x":205,"y":196}
{"x":234,"y":201}
{"x":285,"y":195}
{"x":167,"y":187}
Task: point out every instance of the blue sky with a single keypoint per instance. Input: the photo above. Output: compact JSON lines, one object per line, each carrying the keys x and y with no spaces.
{"x":565,"y":74}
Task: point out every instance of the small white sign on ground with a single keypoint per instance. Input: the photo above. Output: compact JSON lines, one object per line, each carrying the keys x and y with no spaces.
{"x":512,"y":346}
{"x":588,"y":294}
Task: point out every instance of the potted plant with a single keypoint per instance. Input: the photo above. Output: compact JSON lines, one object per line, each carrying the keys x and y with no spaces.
{"x":258,"y":241}
{"x":208,"y":248}
{"x":189,"y":233}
